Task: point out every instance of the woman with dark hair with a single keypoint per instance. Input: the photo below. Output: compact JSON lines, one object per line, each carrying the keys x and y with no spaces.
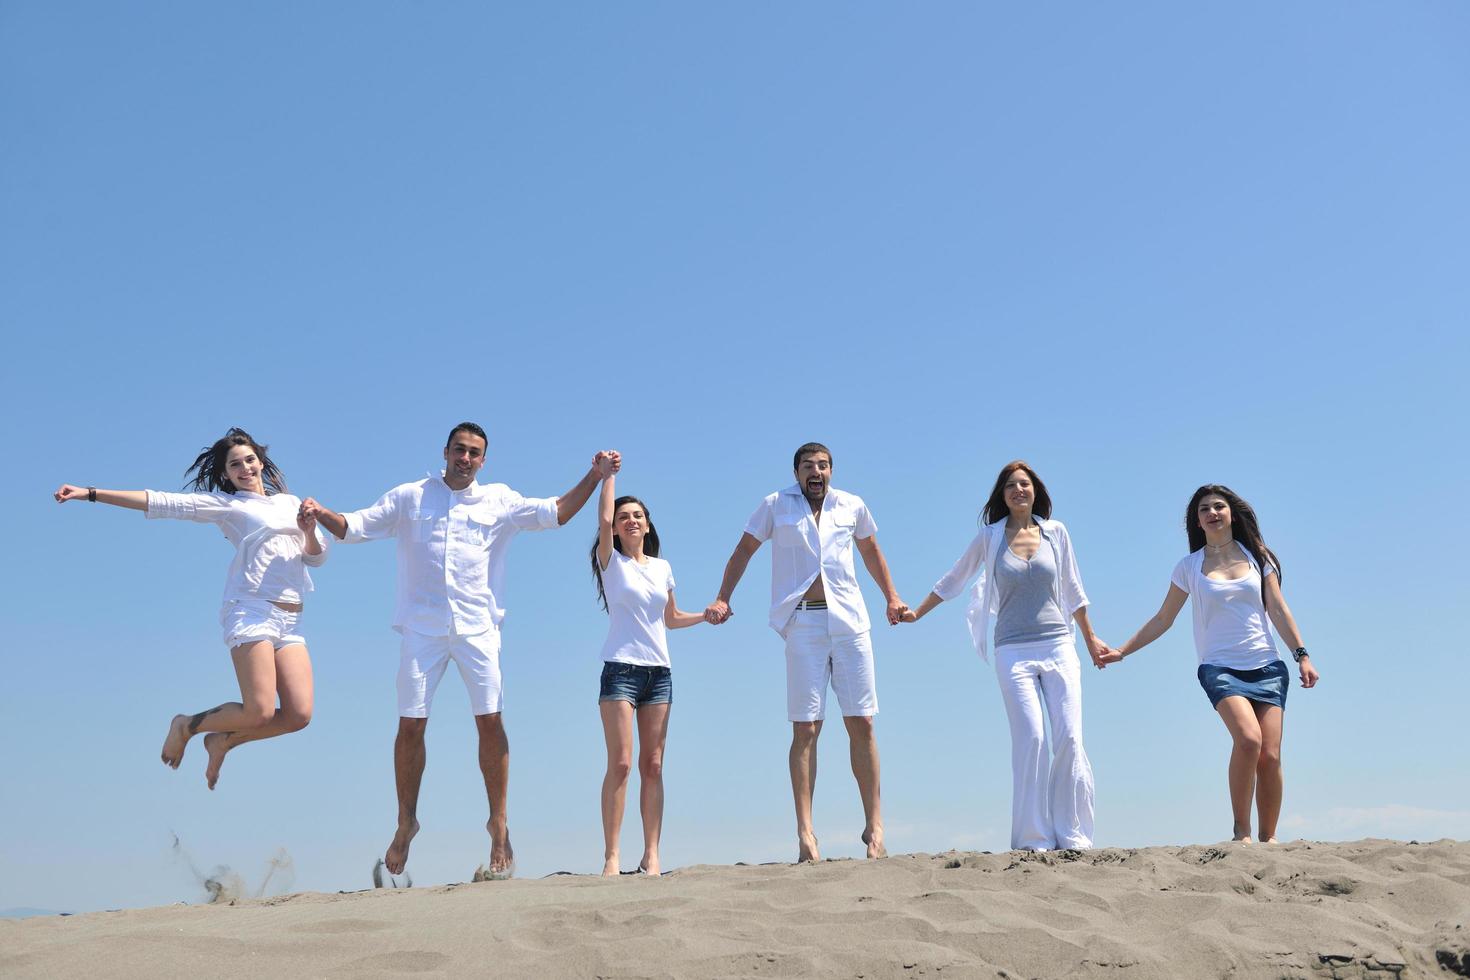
{"x":1028,"y":579}
{"x":239,"y":489}
{"x":1235,"y":582}
{"x":636,"y":587}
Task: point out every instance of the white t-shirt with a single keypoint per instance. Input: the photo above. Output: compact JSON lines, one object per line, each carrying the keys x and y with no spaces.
{"x":636,"y":598}
{"x":1230,"y":627}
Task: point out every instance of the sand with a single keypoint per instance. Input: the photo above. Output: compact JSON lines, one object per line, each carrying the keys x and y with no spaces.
{"x":1369,"y":908}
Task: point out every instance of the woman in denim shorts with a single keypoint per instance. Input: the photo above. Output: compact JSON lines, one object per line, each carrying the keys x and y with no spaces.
{"x":1235,"y":582}
{"x":239,"y":490}
{"x":636,"y":587}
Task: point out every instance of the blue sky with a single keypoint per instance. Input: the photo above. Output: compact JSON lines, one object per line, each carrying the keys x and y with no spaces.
{"x":1142,"y":247}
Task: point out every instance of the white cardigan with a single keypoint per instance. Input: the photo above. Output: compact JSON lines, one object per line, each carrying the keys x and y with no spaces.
{"x":981,"y":555}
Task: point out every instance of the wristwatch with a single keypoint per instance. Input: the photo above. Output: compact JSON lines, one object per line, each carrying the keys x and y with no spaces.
{"x":1298,"y":654}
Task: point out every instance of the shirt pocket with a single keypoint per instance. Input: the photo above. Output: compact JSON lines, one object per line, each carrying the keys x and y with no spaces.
{"x":786,"y":531}
{"x":421,"y":524}
{"x":480,"y":525}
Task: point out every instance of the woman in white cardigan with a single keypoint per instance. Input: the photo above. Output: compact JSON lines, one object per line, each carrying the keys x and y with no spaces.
{"x":1028,"y":580}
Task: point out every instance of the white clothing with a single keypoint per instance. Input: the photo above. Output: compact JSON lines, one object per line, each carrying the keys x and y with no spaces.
{"x":1051,"y":791}
{"x":816,"y":655}
{"x":270,"y":550}
{"x":252,"y":620}
{"x":982,"y":554}
{"x":802,"y":548}
{"x":451,"y":550}
{"x":423,"y":660}
{"x":1229,"y":617}
{"x":637,"y":596}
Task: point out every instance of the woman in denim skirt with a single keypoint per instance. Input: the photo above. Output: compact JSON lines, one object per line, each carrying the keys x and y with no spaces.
{"x":636,"y":587}
{"x":1235,"y":581}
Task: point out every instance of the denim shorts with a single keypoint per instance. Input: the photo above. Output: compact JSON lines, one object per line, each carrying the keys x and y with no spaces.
{"x":1264,"y":685}
{"x":636,"y":684}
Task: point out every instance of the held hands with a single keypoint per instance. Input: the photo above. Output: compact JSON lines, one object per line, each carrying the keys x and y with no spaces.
{"x":897,"y":611}
{"x":306,"y":515}
{"x":717,"y":612}
{"x":607,"y":462}
{"x":69,"y":492}
{"x":1101,"y":653}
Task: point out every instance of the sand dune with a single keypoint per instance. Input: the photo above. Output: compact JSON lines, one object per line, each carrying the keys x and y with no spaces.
{"x":1370,"y":908}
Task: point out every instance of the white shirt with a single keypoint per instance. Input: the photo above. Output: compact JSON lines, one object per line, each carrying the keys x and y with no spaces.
{"x":636,"y":598}
{"x":451,"y":550}
{"x":802,"y":548}
{"x":981,"y":555}
{"x":270,"y":550}
{"x":1229,"y":616}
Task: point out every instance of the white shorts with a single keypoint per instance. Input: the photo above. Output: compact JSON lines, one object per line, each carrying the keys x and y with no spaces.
{"x":814,"y":657}
{"x":424,"y":659}
{"x":252,"y":620}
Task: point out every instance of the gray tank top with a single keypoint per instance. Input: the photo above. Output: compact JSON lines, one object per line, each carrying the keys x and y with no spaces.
{"x":1026,"y":603}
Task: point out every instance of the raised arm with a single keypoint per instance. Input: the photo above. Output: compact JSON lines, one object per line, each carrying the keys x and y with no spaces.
{"x":604,"y":463}
{"x":1151,"y":630}
{"x":131,"y":499}
{"x":719,"y":610}
{"x":605,"y":520}
{"x":878,"y":568}
{"x":1286,"y":627}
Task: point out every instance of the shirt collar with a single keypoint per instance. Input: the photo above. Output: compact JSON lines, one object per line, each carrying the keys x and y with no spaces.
{"x":470,"y":490}
{"x":795,"y":491}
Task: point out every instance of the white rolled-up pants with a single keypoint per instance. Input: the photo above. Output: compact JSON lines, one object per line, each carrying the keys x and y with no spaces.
{"x":1051,"y":802}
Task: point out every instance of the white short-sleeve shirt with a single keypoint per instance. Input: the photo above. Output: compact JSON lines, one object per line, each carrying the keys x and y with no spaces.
{"x":1230,"y":627}
{"x":803,"y":548}
{"x":636,"y":598}
{"x":452,"y":546}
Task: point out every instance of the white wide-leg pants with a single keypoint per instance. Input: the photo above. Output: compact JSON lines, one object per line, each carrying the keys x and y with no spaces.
{"x":1051,"y":802}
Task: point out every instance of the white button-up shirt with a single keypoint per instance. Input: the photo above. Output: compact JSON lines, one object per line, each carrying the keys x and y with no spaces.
{"x":802,"y":548}
{"x":451,"y":550}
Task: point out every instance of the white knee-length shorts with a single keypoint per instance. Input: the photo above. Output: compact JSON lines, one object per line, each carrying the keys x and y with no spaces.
{"x":423,"y":660}
{"x":252,"y":620}
{"x":815,"y":658}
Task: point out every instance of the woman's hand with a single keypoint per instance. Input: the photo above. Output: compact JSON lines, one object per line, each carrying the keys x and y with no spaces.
{"x":1108,"y":655}
{"x":69,"y":492}
{"x":909,"y":616}
{"x":1309,"y":673}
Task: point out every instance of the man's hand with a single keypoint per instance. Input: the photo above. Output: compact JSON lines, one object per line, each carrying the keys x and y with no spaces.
{"x":717,"y":612}
{"x":897,"y":609}
{"x":607,"y":462}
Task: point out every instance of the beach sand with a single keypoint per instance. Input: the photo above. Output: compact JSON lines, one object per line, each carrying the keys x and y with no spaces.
{"x":1369,"y":908}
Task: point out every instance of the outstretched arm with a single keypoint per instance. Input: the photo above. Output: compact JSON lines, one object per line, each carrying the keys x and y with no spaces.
{"x":131,"y":499}
{"x":676,"y":618}
{"x":878,"y":568}
{"x":1285,"y":624}
{"x":719,"y":610}
{"x":927,"y":606}
{"x":604,"y":463}
{"x":1151,"y":630}
{"x":605,"y":520}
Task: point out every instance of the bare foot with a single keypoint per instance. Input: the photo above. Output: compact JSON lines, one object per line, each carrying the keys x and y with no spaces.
{"x":610,"y":867}
{"x":874,"y":839}
{"x":1269,"y":840}
{"x":1241,"y":835}
{"x":397,"y":857}
{"x":649,"y":865}
{"x":216,"y":744}
{"x":806,"y":849}
{"x":502,"y":856}
{"x":178,"y":737}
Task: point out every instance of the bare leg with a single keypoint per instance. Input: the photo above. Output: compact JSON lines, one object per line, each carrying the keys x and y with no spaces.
{"x":255,"y":668}
{"x":495,"y":767}
{"x":803,"y":761}
{"x":1240,"y":719}
{"x":653,"y":730}
{"x":293,"y":683}
{"x":617,"y":729}
{"x":863,"y":748}
{"x":1268,"y":770}
{"x":408,"y":774}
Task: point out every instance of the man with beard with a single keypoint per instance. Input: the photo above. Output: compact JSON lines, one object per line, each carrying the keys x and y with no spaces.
{"x":453,"y":534}
{"x":818,"y":609}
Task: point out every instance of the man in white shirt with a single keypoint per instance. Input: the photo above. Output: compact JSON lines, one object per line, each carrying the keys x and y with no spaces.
{"x":818,"y":609}
{"x":453,"y":534}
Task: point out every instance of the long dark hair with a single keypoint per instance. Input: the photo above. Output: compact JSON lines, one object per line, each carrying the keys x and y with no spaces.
{"x":209,"y":466}
{"x":1244,"y":528}
{"x":650,"y":543}
{"x":995,"y":507}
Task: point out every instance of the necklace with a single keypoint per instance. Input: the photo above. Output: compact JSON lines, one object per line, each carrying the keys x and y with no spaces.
{"x":1220,"y":547}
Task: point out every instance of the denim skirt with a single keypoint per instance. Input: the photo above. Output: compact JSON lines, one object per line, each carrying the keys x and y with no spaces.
{"x":1264,"y":685}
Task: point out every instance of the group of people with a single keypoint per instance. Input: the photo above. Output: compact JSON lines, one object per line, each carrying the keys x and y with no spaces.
{"x":453,"y":533}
